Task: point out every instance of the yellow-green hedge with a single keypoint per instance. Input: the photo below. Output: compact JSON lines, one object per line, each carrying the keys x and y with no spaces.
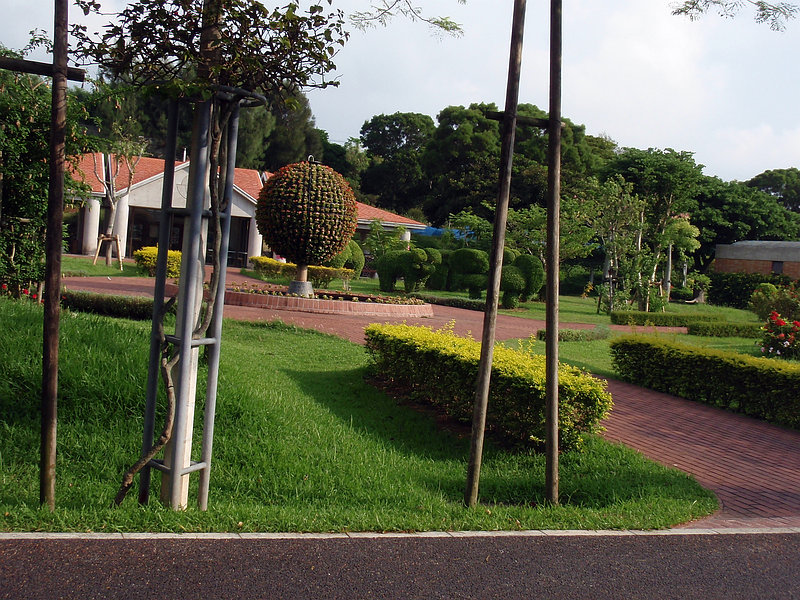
{"x":442,"y":368}
{"x":759,"y":387}
{"x":146,"y":261}
{"x":320,"y":277}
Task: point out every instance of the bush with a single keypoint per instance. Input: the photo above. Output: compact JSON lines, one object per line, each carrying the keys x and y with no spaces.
{"x":724,"y":329}
{"x":389,"y":268}
{"x":439,"y":278}
{"x":533,"y":270}
{"x":768,"y":298}
{"x":600,"y":332}
{"x":666,"y":319}
{"x":352,"y":257}
{"x":468,"y":268}
{"x":735,"y":289}
{"x":269,"y":268}
{"x":129,"y":307}
{"x":781,"y":338}
{"x":442,"y":368}
{"x":466,"y":303}
{"x":754,"y":386}
{"x":512,"y":283}
{"x":147,"y":257}
{"x":321,"y":277}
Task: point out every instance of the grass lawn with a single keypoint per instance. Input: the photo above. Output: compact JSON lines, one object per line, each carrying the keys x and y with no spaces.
{"x":80,"y":266}
{"x":302,"y":443}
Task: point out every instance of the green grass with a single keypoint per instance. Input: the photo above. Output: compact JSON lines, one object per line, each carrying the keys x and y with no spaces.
{"x":302,"y":443}
{"x":78,"y":266}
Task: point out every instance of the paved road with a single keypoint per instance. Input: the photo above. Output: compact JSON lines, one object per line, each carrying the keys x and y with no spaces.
{"x":743,"y":566}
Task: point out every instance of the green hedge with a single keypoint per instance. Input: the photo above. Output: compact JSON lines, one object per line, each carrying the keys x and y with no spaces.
{"x":442,"y":368}
{"x":601,"y":332}
{"x":138,"y":308}
{"x":320,"y":277}
{"x":658,"y":319}
{"x":456,"y":302}
{"x":759,"y":387}
{"x":725,"y":329}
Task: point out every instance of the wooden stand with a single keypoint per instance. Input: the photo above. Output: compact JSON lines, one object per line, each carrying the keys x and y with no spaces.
{"x":111,"y":239}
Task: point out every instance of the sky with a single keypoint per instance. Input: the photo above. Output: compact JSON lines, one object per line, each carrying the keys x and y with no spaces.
{"x":727,"y":90}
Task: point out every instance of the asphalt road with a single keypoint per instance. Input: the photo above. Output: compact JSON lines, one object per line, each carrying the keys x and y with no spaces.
{"x":730,"y":566}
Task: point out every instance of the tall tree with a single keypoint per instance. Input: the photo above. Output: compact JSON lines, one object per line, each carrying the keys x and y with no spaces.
{"x":782,"y":184}
{"x":395,"y":144}
{"x":380,"y":12}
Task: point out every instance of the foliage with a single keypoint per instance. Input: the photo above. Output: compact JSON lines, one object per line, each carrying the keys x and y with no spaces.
{"x":754,"y":386}
{"x":475,"y":231}
{"x":147,"y":257}
{"x":781,"y":338}
{"x":783,"y":299}
{"x":782,"y":184}
{"x":320,"y":276}
{"x":379,"y":240}
{"x":166,"y":43}
{"x":533,"y":271}
{"x":599,"y":332}
{"x":776,"y":14}
{"x":663,"y":319}
{"x":441,"y":368}
{"x":380,"y":12}
{"x":724,"y":329}
{"x":352,"y":257}
{"x":455,"y":302}
{"x":512,"y":284}
{"x":468,"y":269}
{"x":307,"y":213}
{"x":735,"y":289}
{"x":127,"y":307}
{"x":24,"y":172}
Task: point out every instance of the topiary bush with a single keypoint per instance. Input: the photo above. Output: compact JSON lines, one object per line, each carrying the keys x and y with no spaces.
{"x":307,"y":213}
{"x":352,"y":257}
{"x":468,"y":270}
{"x":147,"y":257}
{"x":128,"y":307}
{"x":439,"y":279}
{"x":512,"y":284}
{"x":389,"y":268}
{"x":533,"y":271}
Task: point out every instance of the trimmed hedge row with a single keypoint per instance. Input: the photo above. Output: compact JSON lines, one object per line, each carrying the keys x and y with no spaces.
{"x":600,"y":332}
{"x":725,"y":329}
{"x":138,"y":308}
{"x":467,"y":303}
{"x":442,"y":368}
{"x":757,"y":387}
{"x":665,"y":319}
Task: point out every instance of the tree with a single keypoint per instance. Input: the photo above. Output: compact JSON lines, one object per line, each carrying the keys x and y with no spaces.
{"x":382,"y":11}
{"x":24,"y":172}
{"x":306,"y":213}
{"x":666,"y":181}
{"x":776,"y":14}
{"x":782,"y":184}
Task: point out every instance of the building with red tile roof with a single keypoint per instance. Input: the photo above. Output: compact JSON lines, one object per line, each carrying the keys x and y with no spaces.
{"x":138,"y":211}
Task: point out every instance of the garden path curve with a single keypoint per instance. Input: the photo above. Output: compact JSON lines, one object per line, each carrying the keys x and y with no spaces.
{"x":752,"y":466}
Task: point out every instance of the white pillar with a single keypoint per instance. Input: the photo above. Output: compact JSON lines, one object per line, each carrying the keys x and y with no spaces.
{"x":406,"y":236}
{"x":255,"y":240}
{"x":121,"y":222}
{"x":91,"y":226}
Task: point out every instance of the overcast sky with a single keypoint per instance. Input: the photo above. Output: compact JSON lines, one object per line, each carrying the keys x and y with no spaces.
{"x":727,"y":90}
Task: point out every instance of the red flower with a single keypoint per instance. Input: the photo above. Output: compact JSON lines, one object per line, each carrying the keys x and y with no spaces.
{"x":25,"y":291}
{"x":4,"y":287}
{"x":34,"y":296}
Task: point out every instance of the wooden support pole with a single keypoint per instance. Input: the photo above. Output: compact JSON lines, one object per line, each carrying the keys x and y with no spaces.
{"x":553,"y":258}
{"x":496,"y":258}
{"x":53,"y":241}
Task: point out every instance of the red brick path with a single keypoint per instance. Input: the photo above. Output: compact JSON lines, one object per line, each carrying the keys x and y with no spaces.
{"x":752,"y":466}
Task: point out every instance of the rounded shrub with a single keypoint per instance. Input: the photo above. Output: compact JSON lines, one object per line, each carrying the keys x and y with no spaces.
{"x":306,"y":213}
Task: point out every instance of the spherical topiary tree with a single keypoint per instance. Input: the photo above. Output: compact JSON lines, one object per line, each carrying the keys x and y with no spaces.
{"x":307,"y":214}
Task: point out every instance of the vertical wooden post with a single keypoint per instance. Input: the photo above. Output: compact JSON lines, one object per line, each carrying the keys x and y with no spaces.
{"x":496,"y":259}
{"x":553,"y":235}
{"x":53,"y":240}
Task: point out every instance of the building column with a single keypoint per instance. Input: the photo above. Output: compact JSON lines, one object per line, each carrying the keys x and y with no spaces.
{"x":255,"y":239}
{"x":91,"y":226}
{"x":121,"y":222}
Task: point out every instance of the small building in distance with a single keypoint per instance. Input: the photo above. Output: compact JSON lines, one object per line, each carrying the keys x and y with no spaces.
{"x":781,"y":258}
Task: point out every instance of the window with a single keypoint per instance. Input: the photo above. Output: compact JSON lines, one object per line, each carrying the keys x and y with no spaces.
{"x":777,"y":267}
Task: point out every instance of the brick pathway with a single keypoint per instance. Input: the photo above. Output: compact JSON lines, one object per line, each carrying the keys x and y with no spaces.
{"x":752,"y":466}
